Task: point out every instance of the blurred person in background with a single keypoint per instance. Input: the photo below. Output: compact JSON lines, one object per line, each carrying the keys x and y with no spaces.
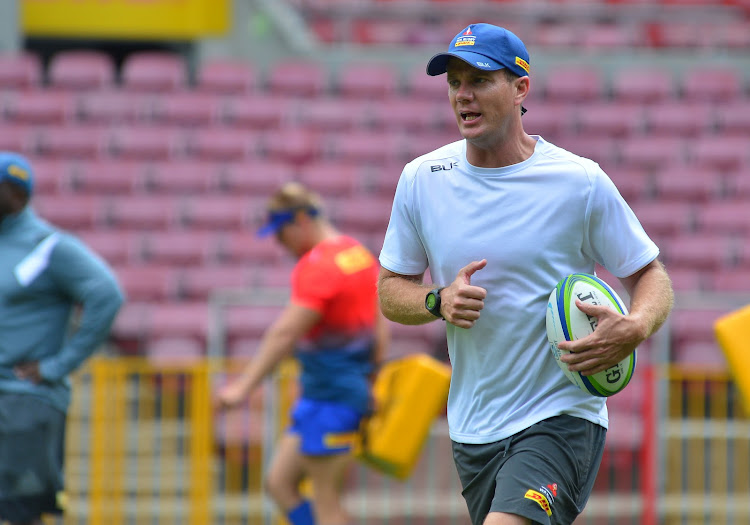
{"x":499,"y":218}
{"x":334,"y":327}
{"x":45,"y":274}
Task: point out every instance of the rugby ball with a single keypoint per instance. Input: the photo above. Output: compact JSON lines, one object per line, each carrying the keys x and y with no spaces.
{"x":565,"y":322}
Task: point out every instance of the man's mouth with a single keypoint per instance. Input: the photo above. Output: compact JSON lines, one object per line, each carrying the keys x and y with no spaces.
{"x":468,"y":116}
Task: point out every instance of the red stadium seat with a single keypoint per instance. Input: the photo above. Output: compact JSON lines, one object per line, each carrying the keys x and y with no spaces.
{"x":644,"y":85}
{"x":112,"y":107}
{"x":332,"y":179}
{"x":724,"y":153}
{"x":255,"y":178}
{"x":246,"y":247}
{"x":702,"y":355}
{"x":731,"y":279}
{"x":243,"y":348}
{"x":297,"y":78}
{"x":335,"y":114}
{"x":410,"y":114}
{"x":291,"y":146}
{"x":223,"y":144}
{"x":110,"y":177}
{"x":243,"y":322}
{"x":716,"y":84}
{"x":130,"y":329}
{"x":183,"y":177}
{"x":606,"y":118}
{"x":148,"y":283}
{"x":651,"y":152}
{"x":188,"y":320}
{"x":683,"y":182}
{"x":260,"y":112}
{"x":225,"y":212}
{"x":186,"y":109}
{"x":550,"y":120}
{"x":362,"y":147}
{"x":75,"y":141}
{"x":117,"y":247}
{"x":612,"y":36}
{"x":365,"y":214}
{"x":197,"y":283}
{"x":81,"y":70}
{"x":40,"y":107}
{"x":664,"y":218}
{"x":603,"y":150}
{"x":723,"y":217}
{"x":74,"y":212}
{"x":181,"y":247}
{"x":148,"y":142}
{"x":633,"y":184}
{"x":421,"y":86}
{"x":694,"y":326}
{"x":166,"y":351}
{"x":687,"y":279}
{"x":21,"y":138}
{"x":226,"y":77}
{"x":145,"y":212}
{"x":20,"y":70}
{"x":573,"y":84}
{"x":738,"y":185}
{"x":52,"y":176}
{"x":704,"y":252}
{"x":154,"y":71}
{"x":367,"y":81}
{"x":680,"y":119}
{"x":733,"y":119}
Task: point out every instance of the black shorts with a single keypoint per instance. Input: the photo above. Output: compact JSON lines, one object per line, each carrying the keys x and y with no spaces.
{"x":544,"y":473}
{"x":32,"y":434}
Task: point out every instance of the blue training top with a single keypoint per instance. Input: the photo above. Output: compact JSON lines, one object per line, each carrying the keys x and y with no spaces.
{"x":44,"y":274}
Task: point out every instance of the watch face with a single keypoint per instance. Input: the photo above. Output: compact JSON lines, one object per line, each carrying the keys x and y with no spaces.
{"x":431,"y":301}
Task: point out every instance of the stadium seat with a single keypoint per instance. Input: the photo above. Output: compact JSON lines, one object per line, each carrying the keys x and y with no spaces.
{"x":186,"y":109}
{"x":573,"y":84}
{"x":246,"y":247}
{"x":651,"y":152}
{"x":730,"y":279}
{"x":74,"y":212}
{"x":699,"y":251}
{"x":702,"y":355}
{"x":715,"y":84}
{"x":114,"y":107}
{"x":109,"y":177}
{"x":724,"y":217}
{"x":366,"y":81}
{"x":117,"y":247}
{"x":169,"y":351}
{"x":406,"y":148}
{"x":294,"y":147}
{"x":148,"y":142}
{"x":292,"y":77}
{"x":148,"y":283}
{"x":361,"y":214}
{"x":40,"y":107}
{"x":180,"y":319}
{"x":142,"y":212}
{"x":255,"y":178}
{"x":21,"y":138}
{"x":223,"y":144}
{"x":724,"y":153}
{"x":86,"y":142}
{"x":243,"y":349}
{"x":609,"y":37}
{"x":154,"y":71}
{"x":738,"y":185}
{"x":335,"y":114}
{"x":177,"y":248}
{"x":183,"y":177}
{"x":643,"y":85}
{"x":362,"y":147}
{"x":733,"y":119}
{"x":684,"y":182}
{"x":260,"y":112}
{"x":410,"y":115}
{"x":19,"y":71}
{"x":332,"y":179}
{"x":51,"y":176}
{"x":603,"y":150}
{"x":418,"y":85}
{"x":243,"y":322}
{"x":604,"y":118}
{"x":81,"y":70}
{"x":225,"y":212}
{"x":688,"y":279}
{"x":550,"y":120}
{"x":197,"y":283}
{"x":665,"y":218}
{"x":226,"y":77}
{"x":633,"y":184}
{"x":130,"y":329}
{"x":678,"y":118}
{"x":694,"y":326}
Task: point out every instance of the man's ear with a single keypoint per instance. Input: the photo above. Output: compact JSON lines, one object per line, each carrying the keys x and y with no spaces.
{"x":522,"y":86}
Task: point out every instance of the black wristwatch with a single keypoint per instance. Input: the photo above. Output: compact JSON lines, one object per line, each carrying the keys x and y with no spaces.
{"x":432,"y":302}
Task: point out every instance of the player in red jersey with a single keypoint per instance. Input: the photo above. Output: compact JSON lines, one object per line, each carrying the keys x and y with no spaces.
{"x":334,"y":327}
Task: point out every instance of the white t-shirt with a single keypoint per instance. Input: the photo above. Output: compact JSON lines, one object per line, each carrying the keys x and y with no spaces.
{"x":535,"y":222}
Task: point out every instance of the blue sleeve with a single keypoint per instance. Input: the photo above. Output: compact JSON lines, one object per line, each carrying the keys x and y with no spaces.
{"x":89,"y":282}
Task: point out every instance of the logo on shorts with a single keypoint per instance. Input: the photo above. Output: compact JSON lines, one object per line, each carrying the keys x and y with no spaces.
{"x":550,"y":491}
{"x":540,"y":499}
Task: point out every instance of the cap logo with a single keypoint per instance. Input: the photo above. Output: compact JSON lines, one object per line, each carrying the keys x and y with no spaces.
{"x":18,"y":172}
{"x":468,"y":31}
{"x":525,"y":65}
{"x":465,"y":41}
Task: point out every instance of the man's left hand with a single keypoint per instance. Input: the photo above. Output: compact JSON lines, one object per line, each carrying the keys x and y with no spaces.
{"x":28,"y":371}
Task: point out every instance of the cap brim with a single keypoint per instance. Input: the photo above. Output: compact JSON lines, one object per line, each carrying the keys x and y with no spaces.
{"x":439,"y":63}
{"x":268,"y":229}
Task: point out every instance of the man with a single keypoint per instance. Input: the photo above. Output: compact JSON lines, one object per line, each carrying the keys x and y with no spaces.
{"x":503,"y":219}
{"x":334,"y":324}
{"x":44,"y":274}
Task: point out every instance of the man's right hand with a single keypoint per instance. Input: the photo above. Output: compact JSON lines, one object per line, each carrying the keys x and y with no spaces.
{"x":461,"y":302}
{"x":231,"y":395}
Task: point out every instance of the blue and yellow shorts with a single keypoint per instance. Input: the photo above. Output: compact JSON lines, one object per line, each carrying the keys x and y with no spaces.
{"x":325,"y":427}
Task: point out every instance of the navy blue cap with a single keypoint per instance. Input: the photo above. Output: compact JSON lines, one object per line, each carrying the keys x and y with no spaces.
{"x":16,"y":169}
{"x":278,"y":218}
{"x":487,"y":47}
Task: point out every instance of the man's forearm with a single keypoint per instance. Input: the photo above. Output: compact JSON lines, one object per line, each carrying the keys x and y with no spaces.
{"x":651,"y":298}
{"x":402,"y":299}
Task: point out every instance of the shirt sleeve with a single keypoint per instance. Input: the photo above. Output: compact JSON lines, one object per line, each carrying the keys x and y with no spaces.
{"x":403,"y":251}
{"x":614,"y":236}
{"x":88,"y":281}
